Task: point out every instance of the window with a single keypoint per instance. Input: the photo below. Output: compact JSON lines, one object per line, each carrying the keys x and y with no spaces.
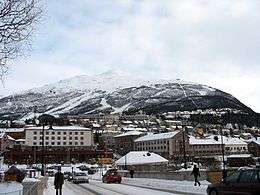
{"x":58,"y":138}
{"x":58,"y":133}
{"x":58,"y":143}
{"x":52,"y":138}
{"x":234,"y":177}
{"x":53,"y":133}
{"x":64,"y":143}
{"x":70,"y":133}
{"x":70,"y":138}
{"x":34,"y":143}
{"x":52,"y":143}
{"x":47,"y":138}
{"x":64,"y":133}
{"x":81,"y":143}
{"x":247,"y":176}
{"x":81,"y":133}
{"x":81,"y":138}
{"x":76,"y":143}
{"x":76,"y":138}
{"x":46,"y":133}
{"x":76,"y":133}
{"x":34,"y":138}
{"x":64,"y":138}
{"x":35,"y":132}
{"x":70,"y":143}
{"x":46,"y":143}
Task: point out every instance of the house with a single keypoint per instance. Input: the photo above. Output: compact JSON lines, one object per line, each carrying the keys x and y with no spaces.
{"x":212,"y":146}
{"x":169,"y":145}
{"x":124,"y":142}
{"x":142,"y":161}
{"x":254,"y":146}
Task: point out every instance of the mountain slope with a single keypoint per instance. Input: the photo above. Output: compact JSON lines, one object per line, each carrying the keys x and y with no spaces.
{"x":113,"y":92}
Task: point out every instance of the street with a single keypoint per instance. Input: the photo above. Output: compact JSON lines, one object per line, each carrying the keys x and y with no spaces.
{"x":99,"y":188}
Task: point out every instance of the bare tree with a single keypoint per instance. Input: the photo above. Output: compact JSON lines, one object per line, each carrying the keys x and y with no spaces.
{"x":17,"y":22}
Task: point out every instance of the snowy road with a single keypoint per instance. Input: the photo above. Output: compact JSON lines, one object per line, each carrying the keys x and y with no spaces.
{"x":119,"y":189}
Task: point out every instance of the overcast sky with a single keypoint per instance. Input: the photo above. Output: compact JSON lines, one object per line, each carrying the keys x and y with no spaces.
{"x":210,"y":42}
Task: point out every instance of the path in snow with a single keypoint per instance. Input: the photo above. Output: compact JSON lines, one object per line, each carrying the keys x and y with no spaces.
{"x":121,"y":189}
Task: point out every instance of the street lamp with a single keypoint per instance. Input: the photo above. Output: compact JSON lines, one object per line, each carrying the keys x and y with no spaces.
{"x":184,"y":147}
{"x":44,"y":120}
{"x":42,"y":147}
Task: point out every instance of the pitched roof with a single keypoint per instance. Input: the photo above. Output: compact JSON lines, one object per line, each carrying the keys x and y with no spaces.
{"x":158,"y":136}
{"x":140,"y":158}
{"x":129,"y":133}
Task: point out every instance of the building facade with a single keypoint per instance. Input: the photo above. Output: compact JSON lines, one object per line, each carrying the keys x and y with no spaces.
{"x":59,"y":136}
{"x":169,"y":145}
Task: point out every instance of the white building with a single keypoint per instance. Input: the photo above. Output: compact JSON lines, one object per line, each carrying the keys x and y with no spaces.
{"x":59,"y":136}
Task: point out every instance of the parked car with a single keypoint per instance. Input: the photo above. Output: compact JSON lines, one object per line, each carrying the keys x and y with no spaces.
{"x":111,"y":176}
{"x":80,"y":177}
{"x":244,"y":181}
{"x":91,"y":171}
{"x":67,"y":175}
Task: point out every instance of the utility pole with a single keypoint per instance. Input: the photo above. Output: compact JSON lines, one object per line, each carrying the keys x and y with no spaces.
{"x":43,"y":152}
{"x":184,"y":147}
{"x":224,"y":175}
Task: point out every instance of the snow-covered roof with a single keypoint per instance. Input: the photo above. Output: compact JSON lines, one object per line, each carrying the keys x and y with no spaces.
{"x":20,"y":140}
{"x":78,"y":128}
{"x":11,"y":129}
{"x":255,"y":140}
{"x":240,"y":156}
{"x":10,"y":138}
{"x":96,"y":125}
{"x":10,"y":187}
{"x":140,"y":158}
{"x":129,"y":133}
{"x":158,"y":136}
{"x":134,"y":129}
{"x":210,"y":140}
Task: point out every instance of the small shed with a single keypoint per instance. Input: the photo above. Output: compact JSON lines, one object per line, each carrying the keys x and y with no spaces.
{"x":142,"y":161}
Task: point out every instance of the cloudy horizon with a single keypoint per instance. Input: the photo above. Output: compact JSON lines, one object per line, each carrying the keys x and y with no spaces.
{"x":209,"y":42}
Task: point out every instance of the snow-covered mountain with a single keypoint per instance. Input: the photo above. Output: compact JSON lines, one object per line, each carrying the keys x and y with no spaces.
{"x":116,"y":91}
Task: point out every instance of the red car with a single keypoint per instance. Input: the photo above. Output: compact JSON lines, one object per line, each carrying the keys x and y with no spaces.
{"x":111,"y":176}
{"x":245,"y":181}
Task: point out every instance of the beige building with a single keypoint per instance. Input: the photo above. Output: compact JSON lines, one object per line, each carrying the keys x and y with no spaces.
{"x":211,"y":146}
{"x":59,"y":136}
{"x":169,"y":145}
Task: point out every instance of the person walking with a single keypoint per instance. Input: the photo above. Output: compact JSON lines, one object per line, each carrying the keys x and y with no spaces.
{"x":196,"y":173}
{"x":58,"y":181}
{"x":132,"y":173}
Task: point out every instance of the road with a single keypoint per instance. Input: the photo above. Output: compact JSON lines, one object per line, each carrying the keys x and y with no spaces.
{"x":95,"y":187}
{"x":99,"y":188}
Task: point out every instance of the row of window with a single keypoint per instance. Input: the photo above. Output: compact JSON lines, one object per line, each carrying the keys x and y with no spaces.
{"x":59,"y":143}
{"x":58,"y":133}
{"x":152,"y":142}
{"x":58,"y":138}
{"x":153,"y":148}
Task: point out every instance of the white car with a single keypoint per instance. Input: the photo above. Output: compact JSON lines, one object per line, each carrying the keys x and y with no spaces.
{"x":80,"y":177}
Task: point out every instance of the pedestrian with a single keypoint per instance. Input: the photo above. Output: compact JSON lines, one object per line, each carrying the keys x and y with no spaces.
{"x":58,"y":181}
{"x":132,"y":173}
{"x":196,"y":173}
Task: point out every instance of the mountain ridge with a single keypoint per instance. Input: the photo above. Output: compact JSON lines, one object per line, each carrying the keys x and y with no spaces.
{"x":116,"y":91}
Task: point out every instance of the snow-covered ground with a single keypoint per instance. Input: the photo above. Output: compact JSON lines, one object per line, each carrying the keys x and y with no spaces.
{"x":162,"y":184}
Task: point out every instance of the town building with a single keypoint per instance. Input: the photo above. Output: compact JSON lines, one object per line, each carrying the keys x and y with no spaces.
{"x":254,"y":146}
{"x":124,"y":142}
{"x":58,"y":136}
{"x":169,"y":145}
